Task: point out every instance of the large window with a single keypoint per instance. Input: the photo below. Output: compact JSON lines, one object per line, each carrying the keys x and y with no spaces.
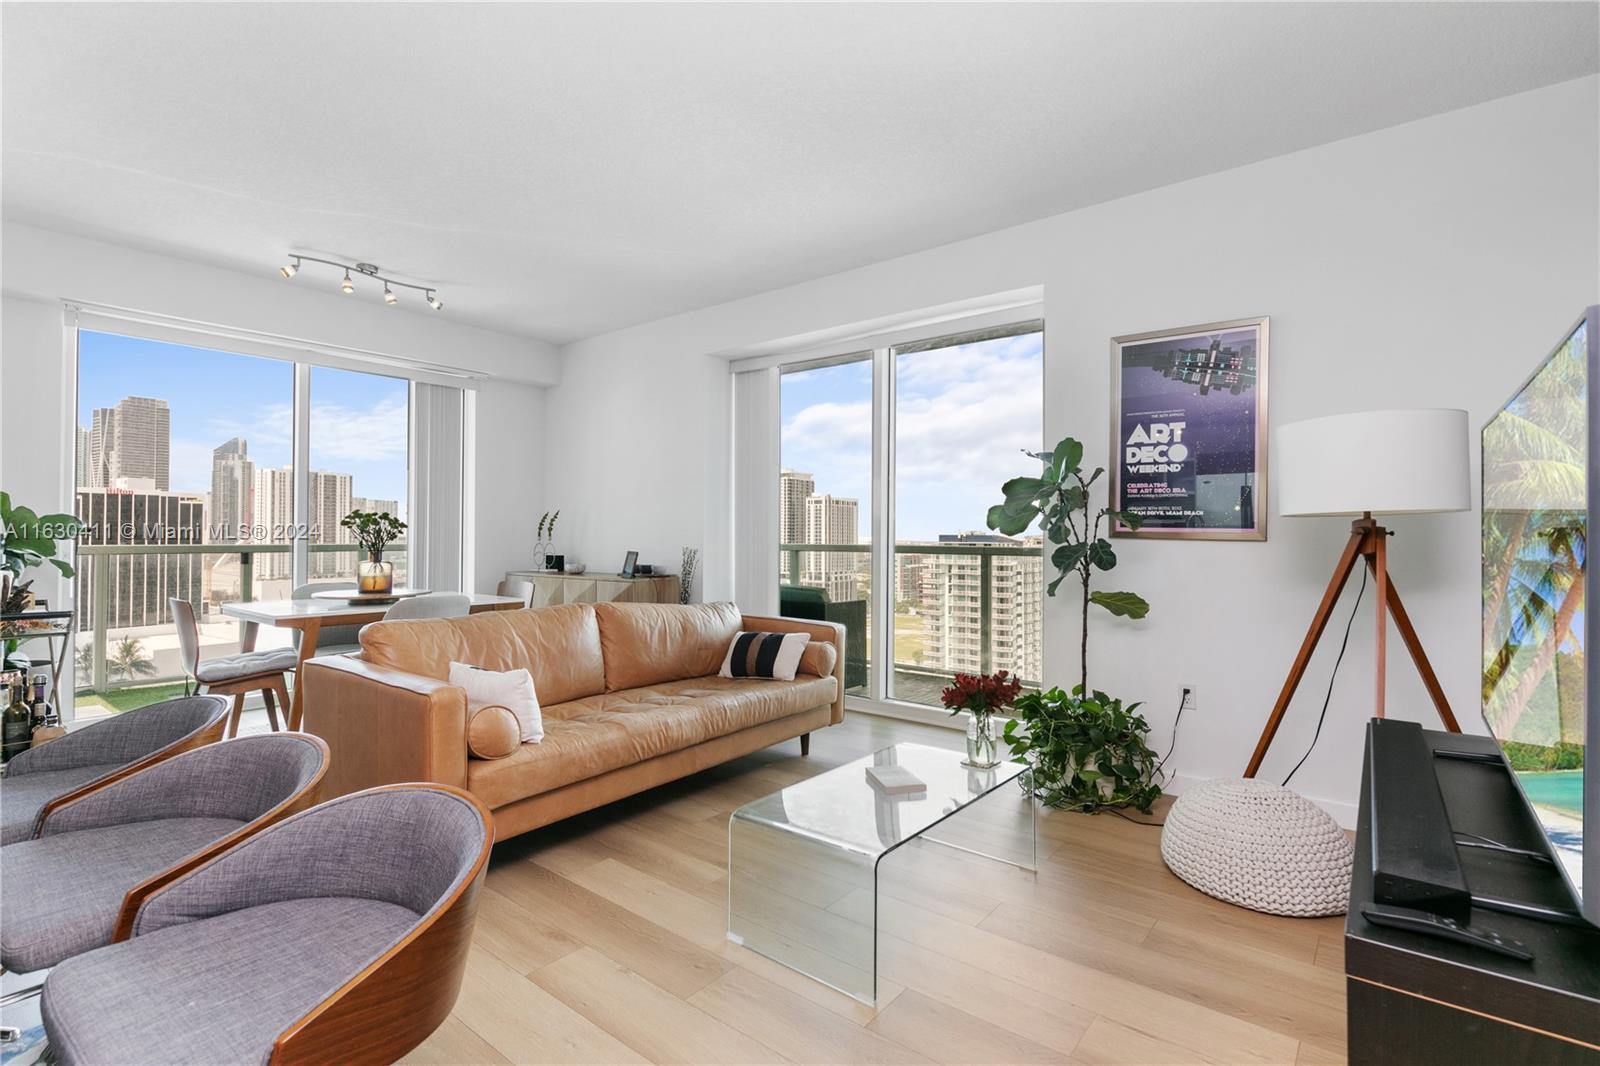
{"x":914,"y":440}
{"x":186,"y":476}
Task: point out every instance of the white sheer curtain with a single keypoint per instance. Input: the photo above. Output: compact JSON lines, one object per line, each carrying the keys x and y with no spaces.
{"x":755,"y":490}
{"x":436,"y":537}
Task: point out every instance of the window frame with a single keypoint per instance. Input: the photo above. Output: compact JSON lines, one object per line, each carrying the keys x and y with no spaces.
{"x":881,"y":350}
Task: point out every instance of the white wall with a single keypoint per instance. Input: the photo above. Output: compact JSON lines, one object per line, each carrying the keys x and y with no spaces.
{"x":40,"y":268}
{"x":1430,"y":264}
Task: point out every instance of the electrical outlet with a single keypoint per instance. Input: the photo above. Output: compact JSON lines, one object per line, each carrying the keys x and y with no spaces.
{"x":1190,"y":700}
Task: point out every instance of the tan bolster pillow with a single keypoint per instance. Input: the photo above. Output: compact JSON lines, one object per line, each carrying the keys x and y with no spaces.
{"x":818,"y":658}
{"x":493,"y":732}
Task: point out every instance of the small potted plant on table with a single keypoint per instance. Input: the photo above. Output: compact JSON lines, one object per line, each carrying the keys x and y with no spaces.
{"x":375,"y":531}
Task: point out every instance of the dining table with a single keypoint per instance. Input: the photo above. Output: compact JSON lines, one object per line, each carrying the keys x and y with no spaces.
{"x":308,"y":616}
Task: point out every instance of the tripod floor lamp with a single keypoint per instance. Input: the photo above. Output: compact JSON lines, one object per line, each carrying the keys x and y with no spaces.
{"x":1385,"y":462}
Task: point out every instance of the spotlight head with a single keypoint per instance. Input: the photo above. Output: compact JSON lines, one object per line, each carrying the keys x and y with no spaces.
{"x":347,"y":288}
{"x":388,"y":295}
{"x":435,"y":303}
{"x":289,"y":270}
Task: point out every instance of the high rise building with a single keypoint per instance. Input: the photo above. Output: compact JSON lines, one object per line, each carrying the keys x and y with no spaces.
{"x":272,"y":506}
{"x":832,"y":520}
{"x":138,"y":587}
{"x":329,"y":501}
{"x":793,"y":489}
{"x":952,"y":607}
{"x":82,"y":459}
{"x":131,"y":440}
{"x":367,"y":503}
{"x":232,"y":492}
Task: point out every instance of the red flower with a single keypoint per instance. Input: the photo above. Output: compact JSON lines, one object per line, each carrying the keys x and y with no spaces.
{"x":981,"y":693}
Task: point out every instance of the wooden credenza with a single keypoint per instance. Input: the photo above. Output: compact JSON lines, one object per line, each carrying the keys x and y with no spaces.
{"x":550,"y":589}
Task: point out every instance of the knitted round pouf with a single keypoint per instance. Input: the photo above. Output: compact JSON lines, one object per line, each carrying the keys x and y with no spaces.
{"x":1258,"y":845}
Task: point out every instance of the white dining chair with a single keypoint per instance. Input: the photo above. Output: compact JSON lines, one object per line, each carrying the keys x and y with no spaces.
{"x":522,"y":590}
{"x":431,"y":605}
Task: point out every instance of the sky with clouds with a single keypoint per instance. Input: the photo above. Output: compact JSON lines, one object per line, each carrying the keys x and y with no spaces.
{"x":963,"y":416}
{"x":359,"y":422}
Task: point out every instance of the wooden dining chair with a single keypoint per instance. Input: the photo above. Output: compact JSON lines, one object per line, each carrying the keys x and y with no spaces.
{"x":234,"y":675}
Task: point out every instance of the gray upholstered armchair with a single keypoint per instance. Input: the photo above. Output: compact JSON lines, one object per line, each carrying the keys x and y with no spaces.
{"x":87,"y":758}
{"x":339,"y":935}
{"x":97,"y":857}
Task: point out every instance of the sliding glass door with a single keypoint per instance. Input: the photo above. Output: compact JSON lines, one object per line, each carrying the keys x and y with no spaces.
{"x":904,"y":447}
{"x":825,"y":503}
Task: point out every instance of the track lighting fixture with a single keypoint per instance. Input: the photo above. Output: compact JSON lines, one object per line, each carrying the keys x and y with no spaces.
{"x":366,"y":270}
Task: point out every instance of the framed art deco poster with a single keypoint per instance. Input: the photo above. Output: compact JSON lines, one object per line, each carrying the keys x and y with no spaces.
{"x":1189,"y":431}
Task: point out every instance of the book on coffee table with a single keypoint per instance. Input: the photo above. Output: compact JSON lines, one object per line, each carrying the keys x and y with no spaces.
{"x":894,"y":780}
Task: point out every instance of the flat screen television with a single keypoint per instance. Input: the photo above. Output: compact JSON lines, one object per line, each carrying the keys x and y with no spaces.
{"x":1541,"y":477}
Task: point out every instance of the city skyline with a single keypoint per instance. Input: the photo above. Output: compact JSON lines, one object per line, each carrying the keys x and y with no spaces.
{"x":964,"y":416}
{"x":359,"y":421}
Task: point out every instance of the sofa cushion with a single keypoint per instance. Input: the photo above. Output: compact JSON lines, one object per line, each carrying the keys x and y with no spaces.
{"x":492,"y":732}
{"x":650,"y":643}
{"x":559,"y":645}
{"x":598,"y":734}
{"x":818,"y":659}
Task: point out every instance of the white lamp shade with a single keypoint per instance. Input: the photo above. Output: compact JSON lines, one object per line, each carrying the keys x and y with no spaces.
{"x":1387,"y":462}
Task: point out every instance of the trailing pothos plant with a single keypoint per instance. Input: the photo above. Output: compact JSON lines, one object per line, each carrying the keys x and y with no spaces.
{"x":1087,"y":750}
{"x":27,"y":540}
{"x":1059,"y":500}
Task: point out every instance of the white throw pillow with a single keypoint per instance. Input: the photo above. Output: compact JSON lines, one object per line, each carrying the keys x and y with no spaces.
{"x":770,"y":656}
{"x":512,"y":689}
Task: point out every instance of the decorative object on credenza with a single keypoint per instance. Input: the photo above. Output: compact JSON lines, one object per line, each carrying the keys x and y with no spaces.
{"x":1258,"y":845}
{"x":543,"y":548}
{"x":691,"y":559}
{"x":575,"y":568}
{"x":374,"y":531}
{"x":630,"y":565}
{"x":555,"y":563}
{"x":644,"y":570}
{"x":365,"y":270}
{"x":1088,"y":752}
{"x":1189,"y":432}
{"x":981,"y":696}
{"x":1396,"y":462}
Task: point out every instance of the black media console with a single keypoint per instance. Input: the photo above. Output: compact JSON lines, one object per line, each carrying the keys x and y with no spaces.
{"x":1417,"y":997}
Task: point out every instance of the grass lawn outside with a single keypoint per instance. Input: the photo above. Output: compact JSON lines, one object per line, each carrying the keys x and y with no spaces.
{"x":116,"y":700}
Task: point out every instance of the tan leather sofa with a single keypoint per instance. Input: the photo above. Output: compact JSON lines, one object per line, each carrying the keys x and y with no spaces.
{"x":629,"y":693}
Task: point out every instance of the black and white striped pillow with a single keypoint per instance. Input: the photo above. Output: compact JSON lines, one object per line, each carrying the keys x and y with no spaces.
{"x":774,"y":656}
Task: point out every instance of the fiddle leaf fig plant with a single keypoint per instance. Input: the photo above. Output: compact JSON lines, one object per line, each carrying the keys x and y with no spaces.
{"x":1059,"y":500}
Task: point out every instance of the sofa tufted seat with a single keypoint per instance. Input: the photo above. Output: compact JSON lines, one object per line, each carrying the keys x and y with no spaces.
{"x":585,"y":738}
{"x":629,"y":693}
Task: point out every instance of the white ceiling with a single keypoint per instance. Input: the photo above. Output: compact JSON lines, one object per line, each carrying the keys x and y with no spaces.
{"x":560,"y":171}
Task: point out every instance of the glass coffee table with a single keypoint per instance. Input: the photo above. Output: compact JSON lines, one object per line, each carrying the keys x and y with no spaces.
{"x":812,"y":869}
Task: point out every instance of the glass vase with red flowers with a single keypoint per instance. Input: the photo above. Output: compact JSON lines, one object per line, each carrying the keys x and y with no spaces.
{"x":981,"y":696}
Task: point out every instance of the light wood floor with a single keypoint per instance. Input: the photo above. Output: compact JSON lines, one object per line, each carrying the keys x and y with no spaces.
{"x":602,"y":940}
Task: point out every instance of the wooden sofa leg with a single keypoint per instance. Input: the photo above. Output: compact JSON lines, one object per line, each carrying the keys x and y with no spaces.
{"x":805,"y":743}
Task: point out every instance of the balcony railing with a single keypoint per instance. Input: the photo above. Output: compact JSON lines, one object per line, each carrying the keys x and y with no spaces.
{"x":95,"y":563}
{"x":973,"y":594}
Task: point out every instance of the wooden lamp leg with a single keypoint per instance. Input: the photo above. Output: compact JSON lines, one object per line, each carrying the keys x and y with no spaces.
{"x":1368,"y":541}
{"x":1341,"y":573}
